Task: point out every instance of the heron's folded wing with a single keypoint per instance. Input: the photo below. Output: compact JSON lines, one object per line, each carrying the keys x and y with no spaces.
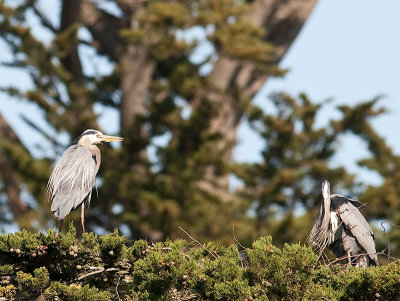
{"x":72,"y":179}
{"x":356,"y":224}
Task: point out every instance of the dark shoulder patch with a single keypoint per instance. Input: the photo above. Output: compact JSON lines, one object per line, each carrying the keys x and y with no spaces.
{"x":94,"y":158}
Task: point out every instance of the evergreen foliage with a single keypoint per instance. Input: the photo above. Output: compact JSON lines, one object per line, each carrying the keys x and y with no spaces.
{"x":59,"y":267}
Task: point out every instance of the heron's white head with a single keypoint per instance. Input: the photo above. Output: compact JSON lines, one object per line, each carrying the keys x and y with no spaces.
{"x":326,"y":191}
{"x":90,"y":137}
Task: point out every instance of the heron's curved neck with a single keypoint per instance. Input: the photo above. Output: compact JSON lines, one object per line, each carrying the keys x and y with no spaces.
{"x":327,"y":211}
{"x":87,"y":143}
{"x":96,"y":155}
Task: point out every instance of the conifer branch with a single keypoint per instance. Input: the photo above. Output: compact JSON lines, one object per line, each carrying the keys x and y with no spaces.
{"x":43,"y":18}
{"x":104,"y":28}
{"x":8,"y":173}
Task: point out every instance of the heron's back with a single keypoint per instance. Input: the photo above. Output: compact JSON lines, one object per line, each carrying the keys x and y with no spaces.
{"x":356,"y":234}
{"x":71,"y":180}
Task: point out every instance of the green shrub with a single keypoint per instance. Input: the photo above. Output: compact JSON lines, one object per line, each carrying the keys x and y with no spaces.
{"x":60,"y":267}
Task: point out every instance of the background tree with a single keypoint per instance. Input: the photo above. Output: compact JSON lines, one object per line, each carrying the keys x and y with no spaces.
{"x":161,"y":89}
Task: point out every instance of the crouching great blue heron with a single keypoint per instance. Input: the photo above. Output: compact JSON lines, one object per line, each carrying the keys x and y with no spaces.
{"x":73,"y":177}
{"x":343,"y":229}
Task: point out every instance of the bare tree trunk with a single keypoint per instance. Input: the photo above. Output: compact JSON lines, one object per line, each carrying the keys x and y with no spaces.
{"x":136,"y":75}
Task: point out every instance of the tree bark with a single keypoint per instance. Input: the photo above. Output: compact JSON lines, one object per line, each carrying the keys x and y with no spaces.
{"x":136,"y":75}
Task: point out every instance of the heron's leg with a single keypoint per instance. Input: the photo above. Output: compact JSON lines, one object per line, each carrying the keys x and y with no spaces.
{"x":349,"y":258}
{"x":61,"y":224}
{"x":83,"y":217}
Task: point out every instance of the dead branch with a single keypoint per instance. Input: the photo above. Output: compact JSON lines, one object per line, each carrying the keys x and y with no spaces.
{"x":234,"y":237}
{"x":195,"y":240}
{"x":100,"y":270}
{"x":387,"y":237}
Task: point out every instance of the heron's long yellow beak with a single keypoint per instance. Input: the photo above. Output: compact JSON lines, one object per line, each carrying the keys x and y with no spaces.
{"x":107,"y":138}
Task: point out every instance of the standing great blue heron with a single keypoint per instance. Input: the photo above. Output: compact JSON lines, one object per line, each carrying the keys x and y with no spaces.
{"x":343,"y":229}
{"x":73,"y":177}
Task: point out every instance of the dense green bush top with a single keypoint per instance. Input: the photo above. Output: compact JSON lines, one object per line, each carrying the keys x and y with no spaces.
{"x":59,"y":267}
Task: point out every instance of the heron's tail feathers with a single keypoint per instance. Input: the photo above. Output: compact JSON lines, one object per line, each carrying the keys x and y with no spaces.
{"x":61,"y":212}
{"x":64,"y":202}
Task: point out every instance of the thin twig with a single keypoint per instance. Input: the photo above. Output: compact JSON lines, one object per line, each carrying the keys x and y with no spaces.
{"x":191,"y":237}
{"x":234,"y":237}
{"x":387,"y":237}
{"x":188,"y":257}
{"x":43,"y":18}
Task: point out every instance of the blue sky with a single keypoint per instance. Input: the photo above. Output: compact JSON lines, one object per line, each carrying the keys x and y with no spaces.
{"x":348,"y":51}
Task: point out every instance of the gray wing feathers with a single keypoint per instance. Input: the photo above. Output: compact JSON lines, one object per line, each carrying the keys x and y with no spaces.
{"x":71,"y":180}
{"x":358,"y":226}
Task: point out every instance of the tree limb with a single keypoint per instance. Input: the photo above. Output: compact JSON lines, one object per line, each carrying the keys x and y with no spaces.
{"x":11,"y":184}
{"x":283,"y":21}
{"x":72,"y":63}
{"x":43,"y":18}
{"x":136,"y":67}
{"x":104,"y":28}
